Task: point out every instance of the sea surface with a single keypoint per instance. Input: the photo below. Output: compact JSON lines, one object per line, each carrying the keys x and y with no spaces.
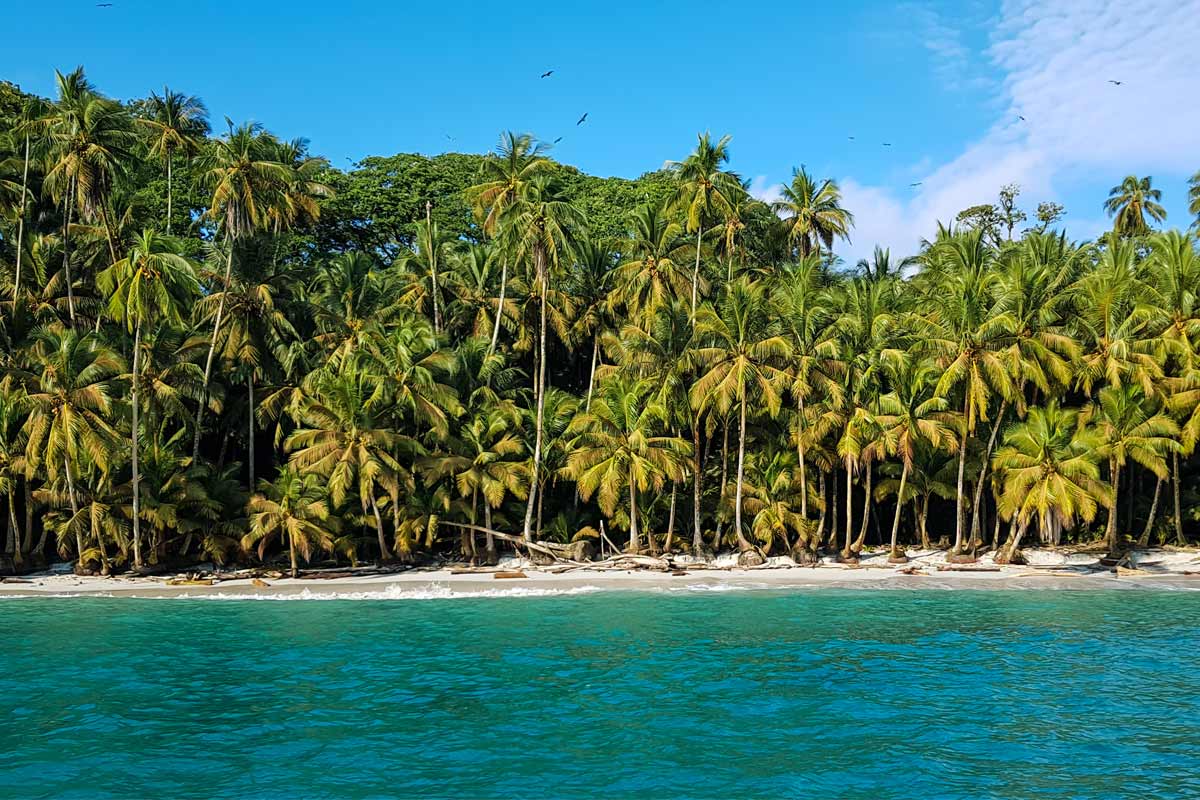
{"x":682,"y":694}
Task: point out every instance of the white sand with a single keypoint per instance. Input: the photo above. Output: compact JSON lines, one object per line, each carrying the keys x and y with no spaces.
{"x":1058,"y":569}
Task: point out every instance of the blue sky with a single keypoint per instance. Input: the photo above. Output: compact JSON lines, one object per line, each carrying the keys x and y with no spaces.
{"x":942,"y":82}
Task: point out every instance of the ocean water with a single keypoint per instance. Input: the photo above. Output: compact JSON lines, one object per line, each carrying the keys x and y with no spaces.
{"x":813,"y":694}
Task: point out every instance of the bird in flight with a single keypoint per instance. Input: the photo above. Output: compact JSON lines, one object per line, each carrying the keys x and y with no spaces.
{"x":103,"y":5}
{"x":582,"y":119}
{"x":1115,"y":83}
{"x":1020,"y":118}
{"x":448,"y":136}
{"x":559,"y":139}
{"x":851,"y":138}
{"x":547,"y":73}
{"x":918,"y":183}
{"x":887,"y":144}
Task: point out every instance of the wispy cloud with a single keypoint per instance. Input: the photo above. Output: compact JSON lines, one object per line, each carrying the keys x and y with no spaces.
{"x":1056,"y":60}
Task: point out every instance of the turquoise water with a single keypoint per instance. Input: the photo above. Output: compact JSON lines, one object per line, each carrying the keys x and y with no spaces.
{"x":822,"y":694}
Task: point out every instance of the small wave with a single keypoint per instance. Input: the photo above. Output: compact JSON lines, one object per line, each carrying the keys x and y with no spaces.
{"x":394,"y":591}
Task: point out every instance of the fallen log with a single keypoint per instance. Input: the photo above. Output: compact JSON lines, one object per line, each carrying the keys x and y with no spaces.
{"x":546,"y":548}
{"x":509,"y":574}
{"x":962,"y":568}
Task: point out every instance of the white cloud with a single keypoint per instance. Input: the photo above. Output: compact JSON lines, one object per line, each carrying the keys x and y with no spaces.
{"x":1057,"y":59}
{"x":760,"y":189}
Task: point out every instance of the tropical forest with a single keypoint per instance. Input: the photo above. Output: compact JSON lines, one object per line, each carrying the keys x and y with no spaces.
{"x":217,"y":347}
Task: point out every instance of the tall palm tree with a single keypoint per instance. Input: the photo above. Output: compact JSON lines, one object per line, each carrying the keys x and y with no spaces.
{"x":621,"y":445}
{"x":813,"y":213}
{"x":71,"y":407}
{"x":247,"y":187}
{"x":741,"y":356}
{"x":1131,"y":427}
{"x":909,"y":415}
{"x":503,"y":176}
{"x":153,"y":282}
{"x":434,"y":252}
{"x":1050,"y":469}
{"x":33,"y":110}
{"x":651,"y":273}
{"x":545,"y":227}
{"x":1131,"y":202}
{"x":176,"y":125}
{"x":704,"y":192}
{"x":291,"y":507}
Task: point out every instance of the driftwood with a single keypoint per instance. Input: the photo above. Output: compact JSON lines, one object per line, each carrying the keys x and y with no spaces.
{"x":555,"y":551}
{"x":509,"y":574}
{"x":960,"y":568}
{"x":190,"y":582}
{"x":260,"y":583}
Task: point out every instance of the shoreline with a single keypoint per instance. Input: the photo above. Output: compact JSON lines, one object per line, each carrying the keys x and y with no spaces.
{"x":1172,"y":569}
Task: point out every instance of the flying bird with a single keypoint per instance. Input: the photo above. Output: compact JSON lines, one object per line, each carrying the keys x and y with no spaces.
{"x":1020,"y":118}
{"x":918,"y":183}
{"x":887,"y":144}
{"x":559,"y":139}
{"x":448,"y":136}
{"x":103,"y":5}
{"x":851,"y":138}
{"x":547,"y":73}
{"x":1115,"y":83}
{"x":582,"y":119}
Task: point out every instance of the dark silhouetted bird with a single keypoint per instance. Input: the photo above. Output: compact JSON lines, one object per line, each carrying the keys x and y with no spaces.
{"x":103,"y":5}
{"x":547,"y":73}
{"x":1020,"y":118}
{"x":559,"y":139}
{"x":851,"y":138}
{"x":1115,"y":83}
{"x":918,"y":183}
{"x":582,"y":119}
{"x":887,"y":144}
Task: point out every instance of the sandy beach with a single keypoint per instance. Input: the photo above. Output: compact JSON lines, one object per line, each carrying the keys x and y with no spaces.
{"x":1047,"y":569}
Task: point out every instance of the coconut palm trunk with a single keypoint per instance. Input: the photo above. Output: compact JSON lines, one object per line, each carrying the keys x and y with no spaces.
{"x":866,"y":518}
{"x":499,"y":306}
{"x":541,"y":400}
{"x":895,"y":554}
{"x":384,"y":553}
{"x":849,"y":551}
{"x":137,"y":493}
{"x":1111,"y":535}
{"x":169,"y":184}
{"x":1175,"y":488}
{"x":1144,"y":540}
{"x":74,"y":512}
{"x":958,"y":497}
{"x":250,"y":426}
{"x":67,"y":252}
{"x":21,"y":220}
{"x":1009,"y":551}
{"x":743,"y":544}
{"x":697,"y":470}
{"x":670,"y":541}
{"x":212,"y":349}
{"x":592,"y":374}
{"x":983,"y":474}
{"x":696,"y":274}
{"x":633,"y":517}
{"x":800,"y":456}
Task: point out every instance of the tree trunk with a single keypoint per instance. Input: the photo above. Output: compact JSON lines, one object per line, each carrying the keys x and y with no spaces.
{"x":212,"y":348}
{"x":670,"y":541}
{"x":849,"y":551}
{"x":169,"y":233}
{"x":41,"y":545}
{"x":1178,"y":514}
{"x":895,"y":552}
{"x":109,"y":235}
{"x":743,"y":544}
{"x":800,"y":454}
{"x":820,"y":533}
{"x":1111,"y":536}
{"x":1144,"y":541}
{"x":862,"y":530}
{"x":67,"y":251}
{"x":1009,"y":551}
{"x":633,"y":526}
{"x":925,"y":543}
{"x":18,"y":551}
{"x":489,"y":547}
{"x":724,"y":480}
{"x":983,"y":473}
{"x":541,"y":400}
{"x":137,"y":493}
{"x":499,"y":306}
{"x":696,"y":275}
{"x":592,"y":375}
{"x":292,"y":554}
{"x":384,"y":553}
{"x":74,"y":512}
{"x":833,"y":509}
{"x":697,"y":467}
{"x":962,"y":463}
{"x":21,"y":221}
{"x":250,"y":427}
{"x":432,"y":256}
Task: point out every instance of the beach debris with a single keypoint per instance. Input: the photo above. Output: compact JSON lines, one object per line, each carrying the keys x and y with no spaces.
{"x":504,"y":574}
{"x":966,"y":568}
{"x":260,"y":583}
{"x":1132,"y":572}
{"x":190,"y":582}
{"x":911,"y":570}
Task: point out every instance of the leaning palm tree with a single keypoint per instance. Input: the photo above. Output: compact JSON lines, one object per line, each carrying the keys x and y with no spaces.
{"x":907,"y":417}
{"x":246,"y":186}
{"x":741,"y":356}
{"x":176,"y":125}
{"x":153,"y":282}
{"x":292,"y":507}
{"x":1050,"y":472}
{"x":813,"y":213}
{"x":71,"y":409}
{"x":621,"y":445}
{"x":704,"y":192}
{"x":1132,"y":427}
{"x":1131,"y":202}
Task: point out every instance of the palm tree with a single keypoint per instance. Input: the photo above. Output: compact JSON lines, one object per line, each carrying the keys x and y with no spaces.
{"x":177,"y":124}
{"x":13,"y":413}
{"x":741,"y":354}
{"x":1132,"y":427}
{"x":1131,"y":202}
{"x":1050,"y":469}
{"x":434,"y":252}
{"x":651,"y":274}
{"x":343,"y":436}
{"x":545,"y":228}
{"x":504,"y":175}
{"x":292,"y":507}
{"x":909,"y":415}
{"x":33,"y":110}
{"x":620,"y":445}
{"x":771,"y":489}
{"x":70,"y":423}
{"x":1194,"y":198}
{"x":246,"y":186}
{"x":153,"y":282}
{"x":813,"y":213}
{"x":704,"y":191}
